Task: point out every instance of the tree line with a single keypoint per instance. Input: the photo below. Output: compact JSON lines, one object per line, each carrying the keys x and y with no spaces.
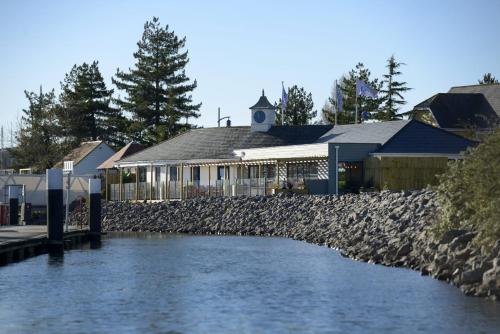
{"x":153,"y":102}
{"x":300,"y":108}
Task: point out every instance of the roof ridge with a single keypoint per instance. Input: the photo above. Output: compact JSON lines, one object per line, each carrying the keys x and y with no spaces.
{"x":476,"y":85}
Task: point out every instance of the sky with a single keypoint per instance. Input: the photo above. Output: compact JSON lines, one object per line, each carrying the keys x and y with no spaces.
{"x":236,"y":49}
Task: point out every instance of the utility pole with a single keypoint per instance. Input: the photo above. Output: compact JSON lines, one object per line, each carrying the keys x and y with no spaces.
{"x":1,"y":152}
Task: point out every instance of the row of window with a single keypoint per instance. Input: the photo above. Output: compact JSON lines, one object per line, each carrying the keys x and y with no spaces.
{"x":295,"y":172}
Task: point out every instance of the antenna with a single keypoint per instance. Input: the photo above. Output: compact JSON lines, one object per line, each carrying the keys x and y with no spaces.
{"x":228,"y":124}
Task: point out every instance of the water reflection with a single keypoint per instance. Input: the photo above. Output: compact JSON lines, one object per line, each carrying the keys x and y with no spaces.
{"x":56,"y":259}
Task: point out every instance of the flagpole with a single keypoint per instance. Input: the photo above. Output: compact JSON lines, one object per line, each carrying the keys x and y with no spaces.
{"x":337,"y":106}
{"x":356,"y":112}
{"x":282,"y":111}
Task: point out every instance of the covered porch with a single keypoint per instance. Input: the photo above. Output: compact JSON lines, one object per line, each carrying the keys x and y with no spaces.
{"x":176,"y":180}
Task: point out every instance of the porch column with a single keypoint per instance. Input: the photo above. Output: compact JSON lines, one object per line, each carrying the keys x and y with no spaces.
{"x":277,"y":173}
{"x":120,"y":172}
{"x":137,"y":183}
{"x":106,"y":184}
{"x":151,"y":184}
{"x":182,"y":181}
{"x":167,"y":182}
{"x":209,"y":170}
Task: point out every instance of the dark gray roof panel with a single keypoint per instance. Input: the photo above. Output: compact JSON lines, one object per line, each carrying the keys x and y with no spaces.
{"x":458,"y":111}
{"x":219,"y":143}
{"x":418,"y":137}
{"x":263,"y":103}
{"x":374,"y":133}
{"x":490,"y":92}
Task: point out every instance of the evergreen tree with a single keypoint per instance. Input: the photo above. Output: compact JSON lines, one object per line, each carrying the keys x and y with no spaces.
{"x":347,"y":84}
{"x":392,"y":93}
{"x":488,"y":79}
{"x":157,"y":88}
{"x":38,"y":136}
{"x":299,"y":108}
{"x":85,"y":112}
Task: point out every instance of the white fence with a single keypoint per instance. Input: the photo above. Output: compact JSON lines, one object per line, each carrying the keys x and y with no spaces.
{"x":35,"y":188}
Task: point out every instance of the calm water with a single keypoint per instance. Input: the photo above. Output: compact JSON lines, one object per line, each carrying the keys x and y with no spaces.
{"x":188,"y":284}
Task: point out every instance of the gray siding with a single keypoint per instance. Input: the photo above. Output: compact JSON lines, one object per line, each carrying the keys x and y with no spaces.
{"x":348,"y":152}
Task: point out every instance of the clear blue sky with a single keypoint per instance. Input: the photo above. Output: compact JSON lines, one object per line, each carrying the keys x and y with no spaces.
{"x":238,"y":48}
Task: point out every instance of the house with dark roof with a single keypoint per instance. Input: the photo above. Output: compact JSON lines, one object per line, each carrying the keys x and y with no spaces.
{"x":264,"y":158}
{"x":85,"y":159}
{"x":470,"y":111}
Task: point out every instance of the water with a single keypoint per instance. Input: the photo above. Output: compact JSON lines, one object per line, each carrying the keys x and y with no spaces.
{"x":200,"y":284}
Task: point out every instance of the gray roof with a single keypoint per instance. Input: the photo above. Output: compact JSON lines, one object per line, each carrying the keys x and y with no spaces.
{"x":376,"y":133}
{"x":219,"y":143}
{"x":460,"y":110}
{"x":263,"y":103}
{"x":490,"y":92}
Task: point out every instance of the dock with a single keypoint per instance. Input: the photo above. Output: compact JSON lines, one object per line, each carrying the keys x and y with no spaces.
{"x":20,"y":242}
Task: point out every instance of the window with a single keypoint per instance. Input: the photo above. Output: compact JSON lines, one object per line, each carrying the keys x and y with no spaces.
{"x":196,"y":174}
{"x":157,"y":174}
{"x":253,"y":172}
{"x":173,"y":173}
{"x":142,"y":174}
{"x":223,"y":173}
{"x":302,"y":171}
{"x":269,"y":171}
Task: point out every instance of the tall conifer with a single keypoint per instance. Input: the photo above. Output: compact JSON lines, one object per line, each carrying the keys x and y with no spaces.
{"x":299,"y":108}
{"x":86,"y":113}
{"x":157,"y":90}
{"x":392,"y":93}
{"x":38,"y":138}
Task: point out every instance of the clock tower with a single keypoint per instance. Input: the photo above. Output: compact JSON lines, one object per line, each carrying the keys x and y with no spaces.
{"x":263,"y":115}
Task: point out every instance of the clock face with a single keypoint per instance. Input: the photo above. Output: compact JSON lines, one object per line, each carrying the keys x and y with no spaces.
{"x":259,"y":116}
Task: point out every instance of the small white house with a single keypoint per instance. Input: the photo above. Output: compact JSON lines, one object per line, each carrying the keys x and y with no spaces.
{"x":85,"y":159}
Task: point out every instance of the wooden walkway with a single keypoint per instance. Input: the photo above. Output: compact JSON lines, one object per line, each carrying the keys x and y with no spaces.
{"x":20,"y":242}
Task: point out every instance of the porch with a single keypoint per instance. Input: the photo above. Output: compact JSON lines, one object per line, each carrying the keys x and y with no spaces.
{"x":164,"y":182}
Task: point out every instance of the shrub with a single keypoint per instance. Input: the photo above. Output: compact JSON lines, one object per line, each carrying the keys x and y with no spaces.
{"x":469,"y":192}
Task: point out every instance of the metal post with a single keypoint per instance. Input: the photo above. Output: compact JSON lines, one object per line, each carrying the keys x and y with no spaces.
{"x":13,"y":205}
{"x":209,"y":180}
{"x":95,"y":209}
{"x":54,"y":210}
{"x":66,"y":216}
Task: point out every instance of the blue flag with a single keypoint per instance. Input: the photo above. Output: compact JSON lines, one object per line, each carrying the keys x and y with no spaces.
{"x":284,"y":99}
{"x":338,"y":98}
{"x":363,"y":89}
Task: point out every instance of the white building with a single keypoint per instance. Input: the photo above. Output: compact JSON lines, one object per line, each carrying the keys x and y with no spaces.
{"x":85,"y":159}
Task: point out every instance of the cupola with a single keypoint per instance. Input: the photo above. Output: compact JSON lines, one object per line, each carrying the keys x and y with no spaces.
{"x":263,"y":115}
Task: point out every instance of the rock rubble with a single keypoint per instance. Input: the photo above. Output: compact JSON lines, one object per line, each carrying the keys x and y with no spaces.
{"x":389,"y":228}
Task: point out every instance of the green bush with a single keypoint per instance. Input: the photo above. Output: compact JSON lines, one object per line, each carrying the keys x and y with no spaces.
{"x":469,"y":192}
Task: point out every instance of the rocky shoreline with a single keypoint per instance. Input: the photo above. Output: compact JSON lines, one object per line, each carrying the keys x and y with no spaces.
{"x":389,"y":228}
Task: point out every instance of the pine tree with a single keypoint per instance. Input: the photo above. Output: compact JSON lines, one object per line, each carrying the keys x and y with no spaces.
{"x":157,"y":88}
{"x":488,"y":79}
{"x":347,"y":84}
{"x":299,"y":108}
{"x":86,"y":113}
{"x":392,"y":93}
{"x":39,"y":146}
